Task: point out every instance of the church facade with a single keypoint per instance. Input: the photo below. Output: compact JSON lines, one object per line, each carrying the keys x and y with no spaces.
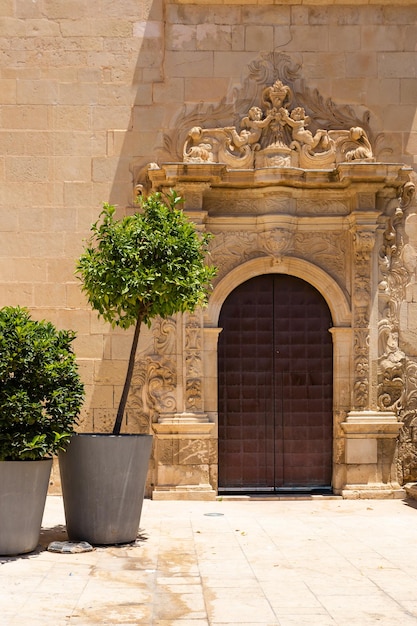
{"x":289,"y":129}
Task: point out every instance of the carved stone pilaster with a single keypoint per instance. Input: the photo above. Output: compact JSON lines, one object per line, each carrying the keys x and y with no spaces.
{"x":193,"y":354}
{"x":363,"y":243}
{"x":394,"y":278}
{"x":185,"y":451}
{"x":397,"y":371}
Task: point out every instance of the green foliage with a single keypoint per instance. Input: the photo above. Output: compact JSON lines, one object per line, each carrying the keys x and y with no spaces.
{"x":147,"y":264}
{"x":143,"y":265}
{"x":41,"y":393}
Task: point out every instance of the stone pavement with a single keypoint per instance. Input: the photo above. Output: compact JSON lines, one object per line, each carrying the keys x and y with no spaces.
{"x":317,"y":562}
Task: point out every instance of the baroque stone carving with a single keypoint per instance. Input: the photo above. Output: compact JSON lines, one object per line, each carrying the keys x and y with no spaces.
{"x":274,"y":136}
{"x":397,"y":372}
{"x":391,"y":367}
{"x":165,"y":336}
{"x":313,"y":206}
{"x":193,"y":344}
{"x":395,"y":276}
{"x":407,"y":444}
{"x":253,"y":206}
{"x":230,"y":249}
{"x":326,"y":249}
{"x":154,"y":382}
{"x":262,"y":73}
{"x":153,"y":387}
{"x":277,"y":241}
{"x":363,"y":243}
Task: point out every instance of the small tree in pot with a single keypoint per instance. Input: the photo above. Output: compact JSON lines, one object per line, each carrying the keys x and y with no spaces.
{"x":41,"y":395}
{"x":144,"y":265}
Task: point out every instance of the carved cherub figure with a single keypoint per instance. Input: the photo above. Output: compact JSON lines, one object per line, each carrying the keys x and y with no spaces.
{"x":298,"y":120}
{"x":252,"y":126}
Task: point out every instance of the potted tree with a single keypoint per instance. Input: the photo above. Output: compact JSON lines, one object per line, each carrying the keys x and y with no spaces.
{"x":133,"y":269}
{"x":41,"y":395}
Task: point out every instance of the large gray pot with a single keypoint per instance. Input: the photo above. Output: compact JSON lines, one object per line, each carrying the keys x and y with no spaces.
{"x":23,"y":489}
{"x":103,"y":482}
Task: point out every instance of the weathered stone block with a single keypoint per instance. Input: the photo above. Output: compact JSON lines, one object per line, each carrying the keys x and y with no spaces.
{"x":361,"y":451}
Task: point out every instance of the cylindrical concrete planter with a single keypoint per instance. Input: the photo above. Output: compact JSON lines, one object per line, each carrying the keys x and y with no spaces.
{"x":103,"y":481}
{"x":23,"y":489}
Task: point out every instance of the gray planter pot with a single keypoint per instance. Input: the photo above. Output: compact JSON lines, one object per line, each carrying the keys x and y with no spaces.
{"x":23,"y":489}
{"x":103,"y":481}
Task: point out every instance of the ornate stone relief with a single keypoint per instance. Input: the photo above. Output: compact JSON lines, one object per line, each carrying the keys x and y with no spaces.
{"x":314,"y":206}
{"x":272,"y":135}
{"x":154,"y":380}
{"x":193,"y":345}
{"x":327,"y":250}
{"x":274,"y":108}
{"x":395,"y":276}
{"x":249,"y":206}
{"x":230,"y":249}
{"x":397,"y":372}
{"x":363,"y":242}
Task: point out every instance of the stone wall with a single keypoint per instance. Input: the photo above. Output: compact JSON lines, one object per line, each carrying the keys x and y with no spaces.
{"x":90,"y":93}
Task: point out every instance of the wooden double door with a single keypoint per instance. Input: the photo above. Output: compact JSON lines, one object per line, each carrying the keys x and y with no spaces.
{"x":275,"y":387}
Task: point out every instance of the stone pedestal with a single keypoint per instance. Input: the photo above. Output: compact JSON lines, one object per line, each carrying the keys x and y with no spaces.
{"x":370,"y":441}
{"x":186,"y":458}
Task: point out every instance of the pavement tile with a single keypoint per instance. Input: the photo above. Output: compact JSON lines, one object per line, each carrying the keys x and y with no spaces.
{"x":169,"y":605}
{"x":181,"y":622}
{"x":243,"y":609}
{"x":254,"y":563}
{"x":312,"y":619}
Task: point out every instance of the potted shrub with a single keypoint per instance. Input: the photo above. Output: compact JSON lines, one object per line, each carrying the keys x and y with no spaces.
{"x":41,"y":395}
{"x":133,"y":269}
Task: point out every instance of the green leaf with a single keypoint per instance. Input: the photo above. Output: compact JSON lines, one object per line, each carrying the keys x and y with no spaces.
{"x":41,"y":393}
{"x":149,"y":264}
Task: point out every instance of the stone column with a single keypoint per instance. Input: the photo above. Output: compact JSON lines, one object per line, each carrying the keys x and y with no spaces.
{"x":362,"y":290}
{"x":370,"y":433}
{"x":184,"y":446}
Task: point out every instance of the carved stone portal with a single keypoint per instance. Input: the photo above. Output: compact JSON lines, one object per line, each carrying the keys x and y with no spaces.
{"x":283,"y":194}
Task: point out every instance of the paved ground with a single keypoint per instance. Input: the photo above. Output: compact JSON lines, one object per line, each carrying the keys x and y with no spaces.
{"x":257,"y":563}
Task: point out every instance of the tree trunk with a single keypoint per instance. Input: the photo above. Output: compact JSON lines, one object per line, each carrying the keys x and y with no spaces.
{"x":128,"y":380}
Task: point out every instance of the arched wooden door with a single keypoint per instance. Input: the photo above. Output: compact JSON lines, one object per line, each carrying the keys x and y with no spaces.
{"x":275,"y":387}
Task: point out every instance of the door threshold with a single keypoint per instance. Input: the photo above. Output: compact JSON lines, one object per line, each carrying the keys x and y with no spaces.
{"x":297,"y":493}
{"x":268,"y":497}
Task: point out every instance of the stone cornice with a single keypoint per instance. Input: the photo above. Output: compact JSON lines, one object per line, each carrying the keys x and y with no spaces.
{"x":370,"y":175}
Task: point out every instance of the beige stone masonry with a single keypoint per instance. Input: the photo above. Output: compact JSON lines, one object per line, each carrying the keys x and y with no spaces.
{"x":91,"y":93}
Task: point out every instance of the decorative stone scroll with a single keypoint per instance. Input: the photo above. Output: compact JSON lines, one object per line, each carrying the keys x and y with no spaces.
{"x":273,"y":135}
{"x":154,"y":381}
{"x":395,"y":276}
{"x":397,"y":372}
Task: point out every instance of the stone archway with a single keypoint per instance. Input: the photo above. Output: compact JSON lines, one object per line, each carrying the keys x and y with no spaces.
{"x":331,"y":291}
{"x":280,"y":199}
{"x":341,"y":332}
